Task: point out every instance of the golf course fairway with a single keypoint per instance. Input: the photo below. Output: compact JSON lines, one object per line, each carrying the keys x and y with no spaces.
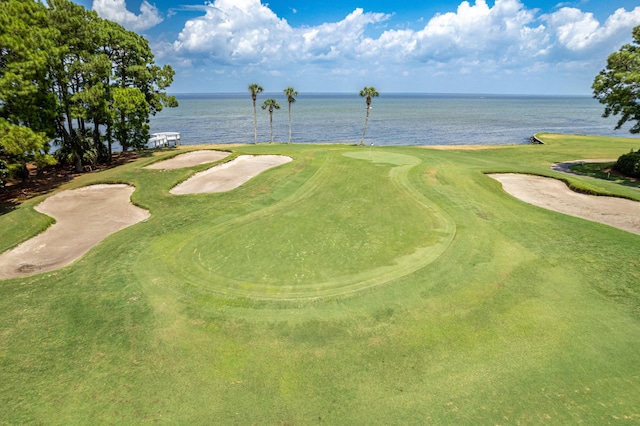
{"x":327,"y":243}
{"x":351,"y":285}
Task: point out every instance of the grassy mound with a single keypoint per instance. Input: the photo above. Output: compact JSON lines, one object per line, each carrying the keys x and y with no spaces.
{"x":336,"y":232}
{"x":384,"y":285}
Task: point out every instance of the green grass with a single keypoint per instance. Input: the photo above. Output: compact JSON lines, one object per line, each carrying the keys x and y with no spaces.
{"x":385,"y":285}
{"x":603,"y":171}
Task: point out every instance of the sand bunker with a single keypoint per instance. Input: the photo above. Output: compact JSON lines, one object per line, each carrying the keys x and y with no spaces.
{"x":228,"y":176}
{"x":555,"y":195}
{"x":189,"y":159}
{"x":84,"y":217}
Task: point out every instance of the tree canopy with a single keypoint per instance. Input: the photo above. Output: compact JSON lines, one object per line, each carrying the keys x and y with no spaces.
{"x":618,"y":85}
{"x":84,"y":82}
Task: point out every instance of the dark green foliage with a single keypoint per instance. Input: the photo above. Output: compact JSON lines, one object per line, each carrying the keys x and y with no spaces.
{"x":4,"y":169}
{"x":629,"y":164}
{"x":26,"y":45}
{"x":22,"y":145}
{"x":79,"y":149}
{"x":618,"y":85}
{"x":71,"y":76}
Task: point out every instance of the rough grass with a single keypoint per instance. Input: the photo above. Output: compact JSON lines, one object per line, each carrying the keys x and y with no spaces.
{"x":604,"y":171}
{"x":508,"y":314}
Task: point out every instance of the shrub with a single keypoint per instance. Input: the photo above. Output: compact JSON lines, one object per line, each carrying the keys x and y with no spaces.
{"x":4,"y":172}
{"x":15,"y":171}
{"x":629,"y":164}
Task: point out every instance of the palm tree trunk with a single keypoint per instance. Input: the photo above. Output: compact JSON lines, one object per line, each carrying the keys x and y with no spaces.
{"x":271,"y":124}
{"x":365,"y":125}
{"x":255,"y":123}
{"x":289,"y":122}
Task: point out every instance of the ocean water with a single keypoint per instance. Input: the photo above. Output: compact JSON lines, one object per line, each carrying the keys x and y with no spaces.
{"x":395,"y":119}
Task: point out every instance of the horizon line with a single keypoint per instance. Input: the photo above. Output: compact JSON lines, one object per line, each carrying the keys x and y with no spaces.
{"x":391,"y":93}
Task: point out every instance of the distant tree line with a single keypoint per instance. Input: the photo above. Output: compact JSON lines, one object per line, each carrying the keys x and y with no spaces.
{"x":71,"y":78}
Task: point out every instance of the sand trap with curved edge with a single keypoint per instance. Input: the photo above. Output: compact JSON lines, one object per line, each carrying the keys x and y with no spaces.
{"x":228,"y":176}
{"x":84,"y":217}
{"x":555,"y":195}
{"x":189,"y":159}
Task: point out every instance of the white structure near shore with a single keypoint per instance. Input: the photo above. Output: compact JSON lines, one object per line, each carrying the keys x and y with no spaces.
{"x":164,"y":139}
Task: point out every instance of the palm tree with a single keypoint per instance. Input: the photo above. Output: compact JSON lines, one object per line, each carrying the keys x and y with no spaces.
{"x":255,"y":89}
{"x":271,"y":104}
{"x":291,"y":93}
{"x":368,"y":92}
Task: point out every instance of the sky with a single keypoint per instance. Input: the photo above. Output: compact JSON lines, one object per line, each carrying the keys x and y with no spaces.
{"x":538,"y":47}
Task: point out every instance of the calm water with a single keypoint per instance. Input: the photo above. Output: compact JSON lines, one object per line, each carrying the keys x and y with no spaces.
{"x":395,"y":119}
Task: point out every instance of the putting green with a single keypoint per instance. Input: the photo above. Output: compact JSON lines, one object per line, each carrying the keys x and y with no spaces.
{"x":311,"y":244}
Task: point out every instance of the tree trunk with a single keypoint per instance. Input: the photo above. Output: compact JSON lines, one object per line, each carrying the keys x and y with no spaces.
{"x":25,"y":171}
{"x":122,"y":136}
{"x":255,"y":123}
{"x":67,"y":111}
{"x":108,"y":121}
{"x":365,"y":125}
{"x":109,"y":142}
{"x":289,"y":122}
{"x":271,"y":124}
{"x":78,"y":163}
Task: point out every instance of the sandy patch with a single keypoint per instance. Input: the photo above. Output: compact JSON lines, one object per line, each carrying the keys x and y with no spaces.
{"x":189,"y":159}
{"x":555,"y":195}
{"x":84,"y":217}
{"x":228,"y":176}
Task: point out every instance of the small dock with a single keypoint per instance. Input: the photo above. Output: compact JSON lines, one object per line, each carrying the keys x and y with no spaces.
{"x":163,"y":140}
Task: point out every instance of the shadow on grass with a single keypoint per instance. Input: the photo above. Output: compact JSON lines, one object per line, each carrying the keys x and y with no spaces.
{"x":605,"y":171}
{"x":7,"y":206}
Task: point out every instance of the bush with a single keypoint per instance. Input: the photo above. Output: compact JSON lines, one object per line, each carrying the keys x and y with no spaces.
{"x":4,"y":172}
{"x":629,"y":164}
{"x":15,"y":171}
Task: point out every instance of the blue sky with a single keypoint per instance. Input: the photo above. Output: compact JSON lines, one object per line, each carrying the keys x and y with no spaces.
{"x":438,"y":46}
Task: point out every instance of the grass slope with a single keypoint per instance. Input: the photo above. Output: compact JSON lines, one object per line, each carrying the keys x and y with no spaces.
{"x":385,"y":285}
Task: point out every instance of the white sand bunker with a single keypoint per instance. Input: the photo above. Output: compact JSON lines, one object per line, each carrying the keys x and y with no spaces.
{"x":555,"y":195}
{"x":228,"y":176}
{"x":189,"y":159}
{"x":84,"y":217}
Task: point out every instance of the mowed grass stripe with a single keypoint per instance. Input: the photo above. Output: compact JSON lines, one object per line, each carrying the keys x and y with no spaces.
{"x":529,"y":316}
{"x":314,"y":243}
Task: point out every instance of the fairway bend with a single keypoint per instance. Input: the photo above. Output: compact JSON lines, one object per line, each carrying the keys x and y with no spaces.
{"x":443,"y":232}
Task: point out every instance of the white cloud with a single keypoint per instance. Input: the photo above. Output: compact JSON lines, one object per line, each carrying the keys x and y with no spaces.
{"x":503,"y":39}
{"x":246,"y":31}
{"x":116,"y":10}
{"x":578,"y":31}
{"x":242,"y":31}
{"x":474,"y":32}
